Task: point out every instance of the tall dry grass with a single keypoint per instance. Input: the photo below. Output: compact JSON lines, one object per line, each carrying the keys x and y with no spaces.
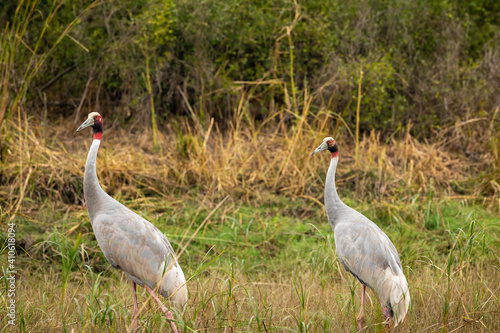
{"x":46,"y":162}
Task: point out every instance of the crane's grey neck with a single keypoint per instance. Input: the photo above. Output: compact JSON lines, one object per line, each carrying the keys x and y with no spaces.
{"x":93,"y":192}
{"x":333,"y":205}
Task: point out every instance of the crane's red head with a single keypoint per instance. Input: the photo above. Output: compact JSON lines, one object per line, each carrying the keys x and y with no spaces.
{"x":330,"y":144}
{"x":94,"y":120}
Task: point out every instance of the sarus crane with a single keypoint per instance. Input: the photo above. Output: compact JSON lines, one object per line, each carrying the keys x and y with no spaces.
{"x":364,"y":250}
{"x":128,"y":241}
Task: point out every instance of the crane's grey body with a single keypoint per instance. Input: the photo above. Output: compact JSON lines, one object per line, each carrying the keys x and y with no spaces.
{"x":130,"y":242}
{"x":364,"y":249}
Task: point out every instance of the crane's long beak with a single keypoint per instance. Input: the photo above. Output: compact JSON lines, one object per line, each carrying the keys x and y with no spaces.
{"x":86,"y":123}
{"x":323,"y":146}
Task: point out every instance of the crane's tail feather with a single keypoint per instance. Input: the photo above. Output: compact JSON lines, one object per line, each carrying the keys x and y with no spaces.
{"x":399,"y":298}
{"x":173,"y":285}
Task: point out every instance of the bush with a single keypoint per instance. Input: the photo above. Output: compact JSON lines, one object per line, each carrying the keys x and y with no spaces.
{"x":430,"y":62}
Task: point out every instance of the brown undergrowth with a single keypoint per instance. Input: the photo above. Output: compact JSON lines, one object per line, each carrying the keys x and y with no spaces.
{"x":41,"y":162}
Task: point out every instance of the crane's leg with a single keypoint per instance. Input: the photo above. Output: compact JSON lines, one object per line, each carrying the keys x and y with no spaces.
{"x":167,"y":313}
{"x":385,"y":311}
{"x":361,"y":317}
{"x":136,"y":306}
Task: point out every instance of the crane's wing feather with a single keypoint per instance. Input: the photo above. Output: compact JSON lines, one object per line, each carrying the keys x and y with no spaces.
{"x":365,"y":250}
{"x":136,"y":246}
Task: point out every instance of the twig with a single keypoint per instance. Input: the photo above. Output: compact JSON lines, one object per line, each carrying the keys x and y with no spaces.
{"x":84,"y":96}
{"x":201,"y":225}
{"x":358,"y":109}
{"x":57,"y":77}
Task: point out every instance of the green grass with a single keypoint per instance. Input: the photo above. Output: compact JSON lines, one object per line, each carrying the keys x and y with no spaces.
{"x":270,"y":267}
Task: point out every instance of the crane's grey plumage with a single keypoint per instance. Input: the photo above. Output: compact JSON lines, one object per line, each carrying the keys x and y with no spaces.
{"x":128,"y":241}
{"x":364,"y":250}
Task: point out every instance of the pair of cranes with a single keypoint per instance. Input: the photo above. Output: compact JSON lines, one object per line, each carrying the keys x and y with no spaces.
{"x":143,"y":253}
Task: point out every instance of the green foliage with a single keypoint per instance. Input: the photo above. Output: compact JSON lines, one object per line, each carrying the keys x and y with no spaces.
{"x":156,"y":22}
{"x":425,"y":61}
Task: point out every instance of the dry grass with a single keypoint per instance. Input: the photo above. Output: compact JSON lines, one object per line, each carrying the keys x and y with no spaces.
{"x":41,"y":162}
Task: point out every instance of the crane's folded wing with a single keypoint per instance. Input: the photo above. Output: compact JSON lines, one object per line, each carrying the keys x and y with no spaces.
{"x":134,"y":245}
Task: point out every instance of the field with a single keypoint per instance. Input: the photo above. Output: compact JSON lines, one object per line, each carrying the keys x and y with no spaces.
{"x":211,"y":110}
{"x":244,"y":212}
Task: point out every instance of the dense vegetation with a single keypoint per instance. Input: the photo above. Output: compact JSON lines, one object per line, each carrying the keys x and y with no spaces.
{"x":432,"y":62}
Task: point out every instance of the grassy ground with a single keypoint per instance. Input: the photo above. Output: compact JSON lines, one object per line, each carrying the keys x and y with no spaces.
{"x":244,"y":212}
